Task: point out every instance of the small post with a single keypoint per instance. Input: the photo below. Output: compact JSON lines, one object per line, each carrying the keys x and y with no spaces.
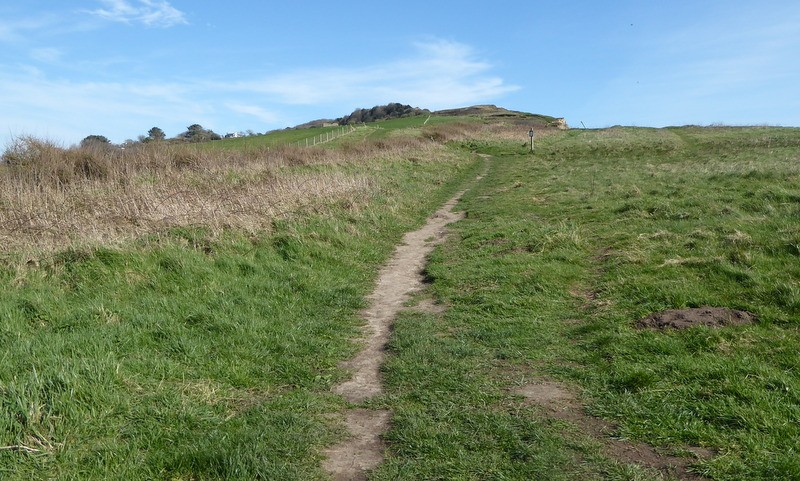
{"x":530,"y":134}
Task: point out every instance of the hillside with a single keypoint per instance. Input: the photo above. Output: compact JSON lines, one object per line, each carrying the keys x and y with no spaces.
{"x":493,"y":112}
{"x":619,"y":304}
{"x":382,"y":112}
{"x":396,"y":110}
{"x":362,"y":116}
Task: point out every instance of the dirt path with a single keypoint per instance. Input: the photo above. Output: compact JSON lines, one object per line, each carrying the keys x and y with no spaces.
{"x":363,"y":451}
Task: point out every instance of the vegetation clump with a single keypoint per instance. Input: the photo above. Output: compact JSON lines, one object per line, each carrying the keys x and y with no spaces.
{"x":381,"y":112}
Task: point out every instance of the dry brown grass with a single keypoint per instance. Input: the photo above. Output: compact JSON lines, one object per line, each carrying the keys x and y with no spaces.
{"x":515,"y":132}
{"x":496,"y":130}
{"x":52,"y":197}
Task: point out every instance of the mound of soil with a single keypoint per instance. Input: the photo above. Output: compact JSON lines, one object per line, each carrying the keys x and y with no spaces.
{"x":699,"y":316}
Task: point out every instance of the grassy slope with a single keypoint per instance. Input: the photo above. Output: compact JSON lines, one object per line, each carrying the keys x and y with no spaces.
{"x":187,"y":357}
{"x":183,"y":357}
{"x":560,"y":253}
{"x":288,"y":136}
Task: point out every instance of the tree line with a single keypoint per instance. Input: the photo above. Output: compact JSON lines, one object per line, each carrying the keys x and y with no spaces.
{"x":197,"y":133}
{"x":381,"y":112}
{"x":193,"y":133}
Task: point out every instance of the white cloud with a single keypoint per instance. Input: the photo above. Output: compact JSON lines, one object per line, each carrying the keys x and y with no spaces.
{"x":151,"y":13}
{"x":36,"y":105}
{"x":440,"y":74}
{"x":254,"y":111}
{"x":437,"y":75}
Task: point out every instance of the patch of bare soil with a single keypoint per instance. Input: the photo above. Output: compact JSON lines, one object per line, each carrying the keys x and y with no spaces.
{"x":352,"y":460}
{"x":588,"y":297}
{"x":558,"y":401}
{"x":363,"y":450}
{"x":701,"y":316}
{"x":429,"y":306}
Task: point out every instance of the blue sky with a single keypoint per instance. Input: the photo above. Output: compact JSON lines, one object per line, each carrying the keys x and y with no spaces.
{"x":119,"y":67}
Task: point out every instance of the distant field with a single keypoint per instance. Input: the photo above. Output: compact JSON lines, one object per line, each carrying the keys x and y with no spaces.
{"x":196,"y":331}
{"x":275,"y":138}
{"x":290,"y":136}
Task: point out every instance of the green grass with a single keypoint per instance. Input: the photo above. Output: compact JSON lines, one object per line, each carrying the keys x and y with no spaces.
{"x":560,"y":253}
{"x":189,"y":356}
{"x":271,"y":139}
{"x":373,"y":130}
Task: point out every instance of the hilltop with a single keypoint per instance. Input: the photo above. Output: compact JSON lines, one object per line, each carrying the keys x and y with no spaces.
{"x":396,"y":110}
{"x":362,"y":116}
{"x":494,"y":112}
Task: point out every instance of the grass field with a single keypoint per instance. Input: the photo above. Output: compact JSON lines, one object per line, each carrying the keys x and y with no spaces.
{"x":208,"y":350}
{"x":378,"y":129}
{"x":561,"y":252}
{"x":198,"y":352}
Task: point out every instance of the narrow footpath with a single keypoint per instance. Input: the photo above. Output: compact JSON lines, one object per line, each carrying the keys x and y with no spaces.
{"x":363,"y":450}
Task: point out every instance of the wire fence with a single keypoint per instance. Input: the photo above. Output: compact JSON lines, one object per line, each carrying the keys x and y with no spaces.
{"x":326,"y":137}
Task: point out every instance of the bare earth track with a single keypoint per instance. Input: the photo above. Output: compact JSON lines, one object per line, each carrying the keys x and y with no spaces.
{"x":363,"y":451}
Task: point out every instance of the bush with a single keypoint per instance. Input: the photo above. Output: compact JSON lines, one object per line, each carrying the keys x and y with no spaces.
{"x":42,"y":162}
{"x":86,"y":164}
{"x":28,"y":150}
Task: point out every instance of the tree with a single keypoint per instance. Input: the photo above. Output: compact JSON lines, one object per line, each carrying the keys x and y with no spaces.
{"x":381,"y":112}
{"x":95,"y":140}
{"x":196,"y":133}
{"x":155,"y":134}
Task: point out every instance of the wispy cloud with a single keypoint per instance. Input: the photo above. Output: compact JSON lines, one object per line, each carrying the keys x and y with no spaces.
{"x":257,"y":112}
{"x":737,"y":70}
{"x":7,"y":34}
{"x":46,"y":54}
{"x":736,"y":53}
{"x":38,"y":105}
{"x":17,"y":30}
{"x":148,"y":12}
{"x":439,"y":74}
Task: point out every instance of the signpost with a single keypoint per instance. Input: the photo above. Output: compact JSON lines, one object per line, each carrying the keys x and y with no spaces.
{"x":530,"y":134}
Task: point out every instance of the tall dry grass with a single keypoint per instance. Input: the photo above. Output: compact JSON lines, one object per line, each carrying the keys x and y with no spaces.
{"x":52,"y":197}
